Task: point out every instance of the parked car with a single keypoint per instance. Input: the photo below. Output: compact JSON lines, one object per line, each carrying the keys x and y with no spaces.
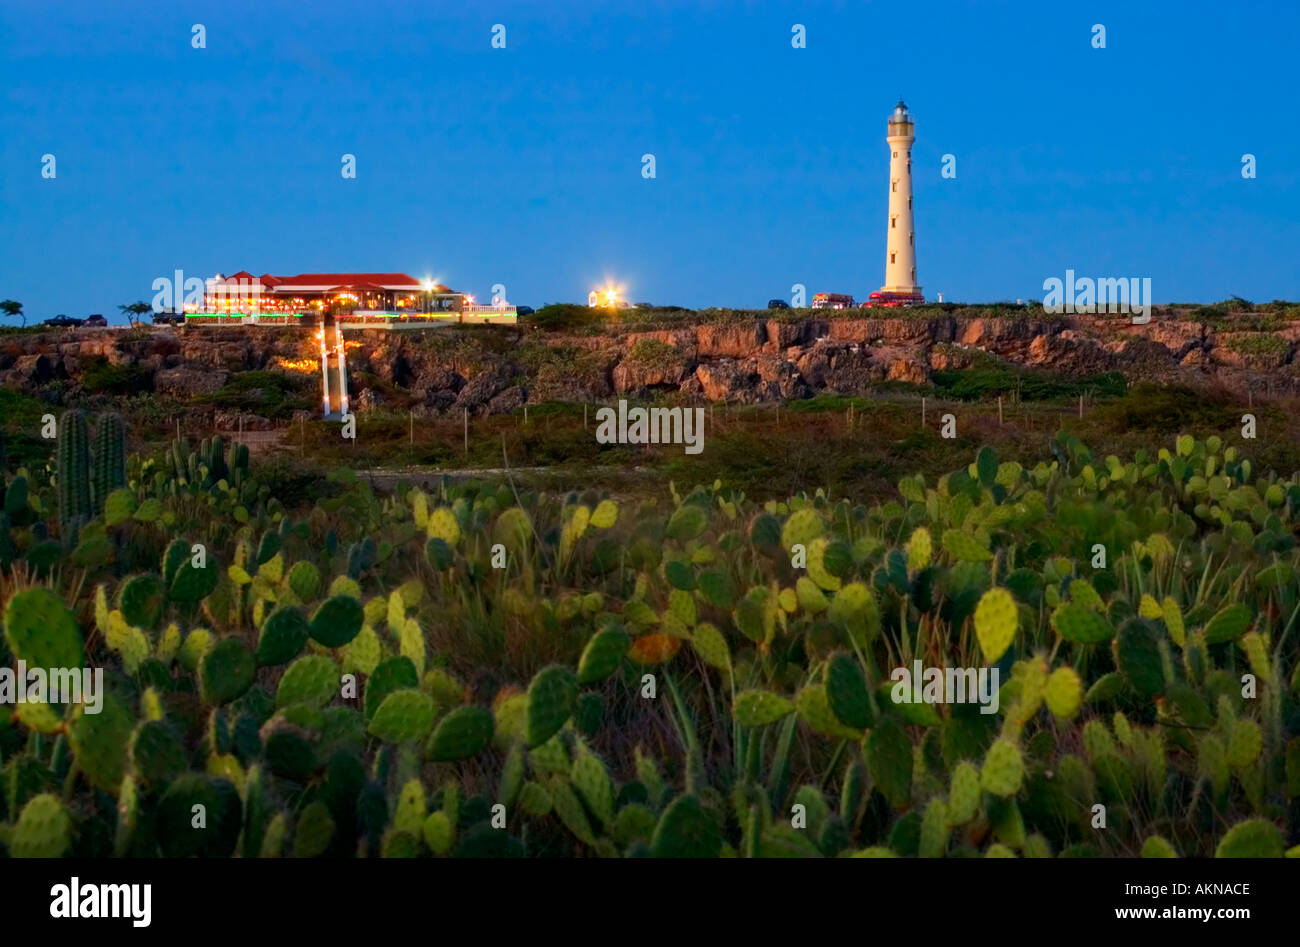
{"x":96,"y":320}
{"x":167,"y":318}
{"x":62,"y":320}
{"x":777,"y":304}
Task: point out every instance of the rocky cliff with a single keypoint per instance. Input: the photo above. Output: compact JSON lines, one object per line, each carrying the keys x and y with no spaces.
{"x":496,"y":369}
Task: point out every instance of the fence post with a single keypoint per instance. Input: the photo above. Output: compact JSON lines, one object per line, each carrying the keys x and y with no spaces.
{"x":922,"y":410}
{"x":999,"y":410}
{"x":466,"y":422}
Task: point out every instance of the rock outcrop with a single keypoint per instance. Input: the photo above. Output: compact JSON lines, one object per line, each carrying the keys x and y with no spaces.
{"x":444,"y":371}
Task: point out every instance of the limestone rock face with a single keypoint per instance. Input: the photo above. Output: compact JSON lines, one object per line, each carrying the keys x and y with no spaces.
{"x":188,"y":380}
{"x":742,"y":358}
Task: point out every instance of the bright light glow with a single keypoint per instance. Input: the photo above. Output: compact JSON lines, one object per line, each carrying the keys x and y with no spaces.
{"x":298,"y":364}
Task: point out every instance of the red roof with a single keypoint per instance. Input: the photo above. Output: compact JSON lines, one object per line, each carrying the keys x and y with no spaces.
{"x":348,"y":279}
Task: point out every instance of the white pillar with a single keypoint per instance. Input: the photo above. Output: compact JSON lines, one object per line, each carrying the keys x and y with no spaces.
{"x":325,"y":372}
{"x":343,"y":369}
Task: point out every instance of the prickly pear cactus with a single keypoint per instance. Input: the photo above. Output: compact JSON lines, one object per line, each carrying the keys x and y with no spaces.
{"x":44,"y":829}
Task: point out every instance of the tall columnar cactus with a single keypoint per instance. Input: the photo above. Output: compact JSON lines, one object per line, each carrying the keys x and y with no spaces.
{"x":216,"y":459}
{"x":74,"y":473}
{"x":110,"y":458}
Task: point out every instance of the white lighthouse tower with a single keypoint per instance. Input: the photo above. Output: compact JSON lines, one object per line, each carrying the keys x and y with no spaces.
{"x":900,"y":245}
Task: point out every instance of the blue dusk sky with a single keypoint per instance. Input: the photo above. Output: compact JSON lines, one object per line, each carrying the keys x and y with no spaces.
{"x":523,"y":165}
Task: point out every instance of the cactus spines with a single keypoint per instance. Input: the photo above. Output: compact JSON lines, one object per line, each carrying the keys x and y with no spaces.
{"x":110,"y":459}
{"x":74,"y":473}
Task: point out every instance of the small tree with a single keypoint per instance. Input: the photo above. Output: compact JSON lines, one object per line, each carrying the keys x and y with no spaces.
{"x":13,"y":307}
{"x":134,"y":311}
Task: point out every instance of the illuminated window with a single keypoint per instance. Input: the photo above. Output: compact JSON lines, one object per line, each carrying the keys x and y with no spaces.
{"x":895,"y":154}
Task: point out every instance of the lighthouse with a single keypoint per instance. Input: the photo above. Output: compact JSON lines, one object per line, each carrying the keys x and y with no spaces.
{"x":900,"y":243}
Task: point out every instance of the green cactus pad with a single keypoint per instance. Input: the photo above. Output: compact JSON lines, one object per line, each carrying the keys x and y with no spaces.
{"x":1063,"y":693}
{"x":1157,"y":847}
{"x":141,"y":600}
{"x":391,"y":675}
{"x":156,"y":753}
{"x":44,"y":829}
{"x":284,"y":633}
{"x":757,"y":708}
{"x":438,"y":833}
{"x":602,"y":655}
{"x":1003,"y":769}
{"x":461,"y":734}
{"x":191,"y":584}
{"x":814,"y":709}
{"x":889,"y":761}
{"x":405,"y":716}
{"x":304,"y":580}
{"x":1077,"y":622}
{"x":314,"y":832}
{"x":128,"y":816}
{"x":687,"y":830}
{"x":801,"y":528}
{"x":534,"y":798}
{"x":289,"y":754}
{"x":226,"y":671}
{"x":552,"y":698}
{"x":1254,"y":838}
{"x":846,"y":690}
{"x":711,"y":645}
{"x":179,"y":837}
{"x":590,"y":778}
{"x":312,"y":679}
{"x":337,"y":621}
{"x":963,"y":794}
{"x":1228,"y":624}
{"x":41,"y":631}
{"x":854,"y":608}
{"x":99,"y":742}
{"x":934,"y":830}
{"x":1138,"y":655}
{"x":411,"y":808}
{"x":996,"y":622}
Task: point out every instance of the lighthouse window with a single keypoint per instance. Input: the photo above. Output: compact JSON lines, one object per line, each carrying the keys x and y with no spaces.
{"x":911,"y":239}
{"x":893,"y":222}
{"x":893,"y":186}
{"x":909,"y":203}
{"x":891,"y":256}
{"x":895,"y":154}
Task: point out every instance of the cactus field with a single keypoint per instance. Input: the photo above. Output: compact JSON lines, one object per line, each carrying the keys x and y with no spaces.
{"x":484,"y":669}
